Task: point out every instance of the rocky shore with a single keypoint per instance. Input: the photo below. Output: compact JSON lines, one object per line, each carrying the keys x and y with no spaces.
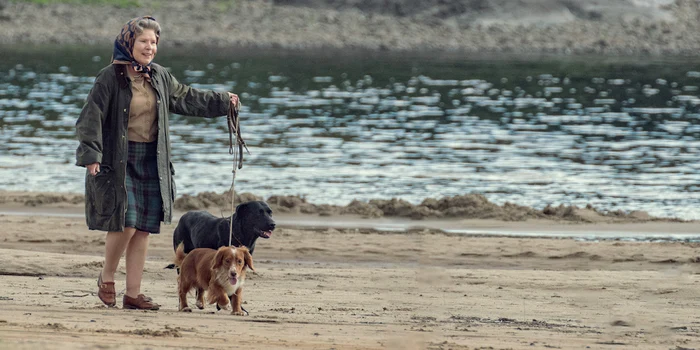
{"x":614,"y":27}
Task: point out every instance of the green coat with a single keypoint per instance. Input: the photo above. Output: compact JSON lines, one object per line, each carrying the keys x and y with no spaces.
{"x":102,"y":132}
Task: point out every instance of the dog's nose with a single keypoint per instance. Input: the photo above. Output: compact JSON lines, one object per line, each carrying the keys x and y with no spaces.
{"x":272,"y":226}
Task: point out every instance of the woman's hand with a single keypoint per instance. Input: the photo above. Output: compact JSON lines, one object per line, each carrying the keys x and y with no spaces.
{"x":234,"y":98}
{"x":93,"y":168}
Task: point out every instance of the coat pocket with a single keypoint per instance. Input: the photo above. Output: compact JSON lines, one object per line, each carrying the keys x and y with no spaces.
{"x":103,"y":192}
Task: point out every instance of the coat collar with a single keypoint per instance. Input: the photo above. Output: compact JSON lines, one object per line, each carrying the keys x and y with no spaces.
{"x":123,"y":77}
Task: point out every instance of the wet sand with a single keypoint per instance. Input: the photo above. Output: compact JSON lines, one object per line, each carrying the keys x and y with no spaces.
{"x":360,"y":288}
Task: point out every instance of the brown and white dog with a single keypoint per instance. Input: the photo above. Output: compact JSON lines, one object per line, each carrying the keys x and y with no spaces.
{"x":219,"y":272}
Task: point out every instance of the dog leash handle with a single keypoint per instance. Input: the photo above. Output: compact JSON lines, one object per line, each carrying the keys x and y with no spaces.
{"x":234,"y":128}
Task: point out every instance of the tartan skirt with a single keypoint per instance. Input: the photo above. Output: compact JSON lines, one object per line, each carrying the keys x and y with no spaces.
{"x":144,"y":209}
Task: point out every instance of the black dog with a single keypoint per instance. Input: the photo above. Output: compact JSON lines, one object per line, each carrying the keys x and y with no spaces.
{"x":200,"y":229}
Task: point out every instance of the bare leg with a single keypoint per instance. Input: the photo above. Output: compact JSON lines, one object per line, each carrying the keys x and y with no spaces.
{"x":115,"y":244}
{"x":135,"y":260}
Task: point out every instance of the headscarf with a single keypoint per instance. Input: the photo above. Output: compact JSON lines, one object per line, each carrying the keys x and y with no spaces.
{"x":124,"y":46}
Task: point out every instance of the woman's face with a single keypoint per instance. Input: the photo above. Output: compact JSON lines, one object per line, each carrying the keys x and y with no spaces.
{"x":145,"y":47}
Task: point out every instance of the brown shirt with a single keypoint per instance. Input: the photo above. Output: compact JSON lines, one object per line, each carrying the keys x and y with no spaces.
{"x":143,"y":126}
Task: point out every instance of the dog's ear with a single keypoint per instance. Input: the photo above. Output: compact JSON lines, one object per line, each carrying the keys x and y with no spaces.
{"x":248,"y":259}
{"x":241,"y":208}
{"x":237,"y":222}
{"x":218,"y":261}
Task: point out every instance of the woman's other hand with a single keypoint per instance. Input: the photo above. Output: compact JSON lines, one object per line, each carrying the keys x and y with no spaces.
{"x":234,"y":98}
{"x":93,"y":168}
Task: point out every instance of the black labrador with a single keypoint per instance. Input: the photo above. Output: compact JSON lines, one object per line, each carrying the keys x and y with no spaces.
{"x":200,"y":229}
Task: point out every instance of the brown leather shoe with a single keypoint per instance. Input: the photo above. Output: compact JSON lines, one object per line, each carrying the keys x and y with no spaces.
{"x":106,"y":292}
{"x":141,"y":302}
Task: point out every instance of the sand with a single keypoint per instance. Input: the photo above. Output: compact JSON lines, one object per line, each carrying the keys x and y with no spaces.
{"x":321,"y":287}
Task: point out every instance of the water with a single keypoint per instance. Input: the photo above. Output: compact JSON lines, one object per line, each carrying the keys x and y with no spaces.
{"x":333,"y":127}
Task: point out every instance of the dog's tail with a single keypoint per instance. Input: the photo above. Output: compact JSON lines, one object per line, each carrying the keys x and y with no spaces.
{"x":179,"y":255}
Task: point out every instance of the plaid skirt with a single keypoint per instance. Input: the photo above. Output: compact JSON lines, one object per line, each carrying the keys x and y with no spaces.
{"x":144,"y":209}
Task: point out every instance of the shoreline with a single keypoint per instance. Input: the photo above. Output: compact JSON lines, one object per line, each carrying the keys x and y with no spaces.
{"x":466,"y":206}
{"x":648,"y":29}
{"x":70,"y":206}
{"x":194,"y":50}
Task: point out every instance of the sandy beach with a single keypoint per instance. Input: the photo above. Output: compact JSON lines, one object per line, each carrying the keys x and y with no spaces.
{"x":329,"y":287}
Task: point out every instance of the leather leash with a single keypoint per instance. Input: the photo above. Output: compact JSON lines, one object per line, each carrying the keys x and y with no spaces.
{"x":234,"y":129}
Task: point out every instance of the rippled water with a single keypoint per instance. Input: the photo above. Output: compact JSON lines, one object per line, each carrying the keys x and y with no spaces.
{"x":336,"y":127}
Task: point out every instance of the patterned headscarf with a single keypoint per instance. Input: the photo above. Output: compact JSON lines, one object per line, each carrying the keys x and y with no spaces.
{"x":124,"y":46}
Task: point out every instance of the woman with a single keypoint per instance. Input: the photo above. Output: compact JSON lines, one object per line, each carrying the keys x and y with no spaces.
{"x":124,"y":144}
